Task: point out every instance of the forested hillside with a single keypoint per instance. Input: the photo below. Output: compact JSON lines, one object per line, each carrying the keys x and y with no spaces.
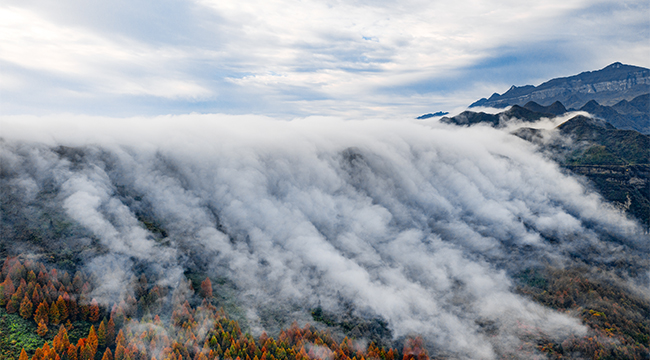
{"x":67,"y":324}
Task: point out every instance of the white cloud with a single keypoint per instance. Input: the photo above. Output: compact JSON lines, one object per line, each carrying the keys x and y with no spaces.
{"x":104,"y":65}
{"x":414,"y":221}
{"x":276,"y":54}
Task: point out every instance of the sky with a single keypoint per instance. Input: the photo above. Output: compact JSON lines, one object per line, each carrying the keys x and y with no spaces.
{"x":287,"y":59}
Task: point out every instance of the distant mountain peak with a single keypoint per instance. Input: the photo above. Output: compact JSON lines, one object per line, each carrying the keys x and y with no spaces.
{"x":616,"y":65}
{"x":607,"y":86}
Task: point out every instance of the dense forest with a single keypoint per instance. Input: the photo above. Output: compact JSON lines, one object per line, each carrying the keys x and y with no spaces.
{"x":48,"y":314}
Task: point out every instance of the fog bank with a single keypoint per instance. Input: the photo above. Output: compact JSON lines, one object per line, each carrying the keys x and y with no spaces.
{"x":419,"y":223}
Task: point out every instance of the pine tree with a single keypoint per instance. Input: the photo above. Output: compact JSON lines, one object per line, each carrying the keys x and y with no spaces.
{"x":61,"y":341}
{"x":87,"y":353}
{"x":31,"y":276}
{"x":41,"y":313}
{"x":92,"y":339}
{"x":54,"y":314}
{"x":42,"y":328}
{"x":9,"y":289}
{"x":110,"y":332}
{"x":101,"y":334}
{"x":120,"y":340}
{"x":72,"y":352}
{"x":26,"y":308}
{"x":37,"y":296}
{"x":119,"y":352}
{"x":63,"y":308}
{"x":42,"y":277}
{"x":23,"y":355}
{"x":94,"y":311}
{"x":14,"y":303}
{"x":206,"y":288}
{"x":107,"y":355}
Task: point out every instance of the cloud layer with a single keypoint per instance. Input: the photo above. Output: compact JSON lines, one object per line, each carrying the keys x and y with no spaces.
{"x":418,"y":223}
{"x":300,"y":58}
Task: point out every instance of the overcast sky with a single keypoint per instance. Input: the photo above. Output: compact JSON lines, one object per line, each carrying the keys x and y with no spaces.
{"x":298,"y":58}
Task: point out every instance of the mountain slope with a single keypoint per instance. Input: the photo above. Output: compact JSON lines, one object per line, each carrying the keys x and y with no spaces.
{"x":608,"y":86}
{"x":615,"y":161}
{"x":522,"y":113}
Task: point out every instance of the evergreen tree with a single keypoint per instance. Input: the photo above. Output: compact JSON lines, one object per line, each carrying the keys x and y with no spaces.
{"x":63,"y":308}
{"x":72,"y":352}
{"x":110,"y":332}
{"x":37,"y":296}
{"x":9,"y":289}
{"x":14,"y":303}
{"x":26,"y":308}
{"x":119,"y":352}
{"x":31,"y":276}
{"x":120,"y":340}
{"x":101,"y":334}
{"x":61,"y":341}
{"x":42,"y":328}
{"x":206,"y":288}
{"x":107,"y":355}
{"x":42,"y":313}
{"x":93,"y":315}
{"x":87,"y":353}
{"x":54,"y":316}
{"x":23,"y":355}
{"x":92,"y":339}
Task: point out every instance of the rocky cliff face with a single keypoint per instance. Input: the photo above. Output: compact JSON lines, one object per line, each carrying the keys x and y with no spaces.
{"x":607,"y":86}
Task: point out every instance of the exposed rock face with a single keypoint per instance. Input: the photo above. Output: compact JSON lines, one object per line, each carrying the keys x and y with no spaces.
{"x":608,"y":86}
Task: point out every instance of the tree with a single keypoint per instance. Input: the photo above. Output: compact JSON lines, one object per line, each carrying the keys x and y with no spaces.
{"x":101,"y":334}
{"x":61,"y":341}
{"x":206,"y":288}
{"x":92,"y":339}
{"x":119,"y":352}
{"x":110,"y":332}
{"x":72,"y":352}
{"x":414,"y":350}
{"x":31,"y":276}
{"x":54,"y":314}
{"x":42,"y":328}
{"x":107,"y":355}
{"x":9,"y":289}
{"x":120,"y":340}
{"x":14,"y":303}
{"x":23,"y":355}
{"x":41,"y":313}
{"x":94,"y":311}
{"x":63,"y":308}
{"x":37,"y":297}
{"x":87,"y":353}
{"x":26,"y":308}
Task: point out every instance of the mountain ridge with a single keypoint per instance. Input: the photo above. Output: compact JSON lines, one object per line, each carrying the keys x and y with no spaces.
{"x":608,"y":86}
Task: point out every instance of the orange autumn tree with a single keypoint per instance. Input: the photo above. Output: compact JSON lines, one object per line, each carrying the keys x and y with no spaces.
{"x":23,"y":355}
{"x":42,"y":329}
{"x":206,"y":288}
{"x":26,"y":308}
{"x":93,"y":316}
{"x":414,"y":350}
{"x":72,"y":352}
{"x":41,"y":313}
{"x":93,"y":341}
{"x":107,"y":355}
{"x":63,"y":308}
{"x":54,"y":315}
{"x":61,"y":341}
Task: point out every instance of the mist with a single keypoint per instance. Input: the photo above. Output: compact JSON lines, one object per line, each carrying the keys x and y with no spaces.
{"x":418,"y":223}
